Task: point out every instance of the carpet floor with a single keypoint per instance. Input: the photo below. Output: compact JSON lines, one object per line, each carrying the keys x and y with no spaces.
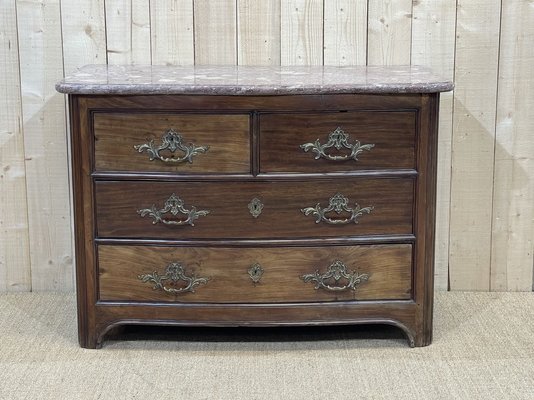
{"x":483,"y":349}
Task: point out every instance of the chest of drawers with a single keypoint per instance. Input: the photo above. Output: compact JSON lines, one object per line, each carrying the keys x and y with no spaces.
{"x":237,"y":196}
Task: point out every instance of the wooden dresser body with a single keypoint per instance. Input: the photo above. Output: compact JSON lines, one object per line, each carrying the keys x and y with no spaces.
{"x":288,"y":210}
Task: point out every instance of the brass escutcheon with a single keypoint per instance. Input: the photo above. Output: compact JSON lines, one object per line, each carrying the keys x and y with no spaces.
{"x":255,"y":272}
{"x":255,"y":207}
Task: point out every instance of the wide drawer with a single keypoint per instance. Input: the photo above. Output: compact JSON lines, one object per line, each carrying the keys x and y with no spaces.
{"x":245,"y":210}
{"x":172,"y":143}
{"x":255,"y":275}
{"x":339,"y":141}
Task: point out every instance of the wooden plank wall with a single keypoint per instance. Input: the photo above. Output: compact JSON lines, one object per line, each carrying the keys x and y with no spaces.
{"x":15,"y":274}
{"x":485,"y":218}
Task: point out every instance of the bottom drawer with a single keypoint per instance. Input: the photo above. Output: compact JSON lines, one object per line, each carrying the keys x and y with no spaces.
{"x":254,"y":275}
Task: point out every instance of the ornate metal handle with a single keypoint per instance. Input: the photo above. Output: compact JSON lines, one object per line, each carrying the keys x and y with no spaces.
{"x":338,"y":203}
{"x":171,"y":141}
{"x":174,"y":273}
{"x":173,"y":205}
{"x":335,"y":272}
{"x":338,"y":139}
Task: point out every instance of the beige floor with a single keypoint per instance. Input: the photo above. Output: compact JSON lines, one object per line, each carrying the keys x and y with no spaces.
{"x":483,"y":349}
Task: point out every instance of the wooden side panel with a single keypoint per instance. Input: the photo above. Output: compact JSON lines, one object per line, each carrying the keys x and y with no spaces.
{"x":258,"y":30}
{"x":302,"y":32}
{"x":345,"y":32}
{"x":215,"y":32}
{"x":433,"y":39}
{"x":513,"y":193}
{"x":45,"y":145}
{"x":128,"y":31}
{"x":477,"y":55}
{"x":425,"y":216}
{"x":388,"y":269}
{"x":83,"y":213}
{"x":14,"y":246}
{"x":389,"y":32}
{"x":171,"y":23}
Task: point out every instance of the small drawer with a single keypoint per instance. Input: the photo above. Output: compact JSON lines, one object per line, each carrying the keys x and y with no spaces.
{"x":172,"y":143}
{"x":254,"y":210}
{"x":336,"y":142}
{"x":255,"y":275}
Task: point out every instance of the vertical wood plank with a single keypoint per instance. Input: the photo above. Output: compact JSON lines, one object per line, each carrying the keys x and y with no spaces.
{"x":84,"y":33}
{"x":45,"y":144}
{"x":172,"y":32}
{"x":345,"y":32}
{"x":128,"y":31}
{"x":480,"y":234}
{"x":477,"y":55}
{"x":302,"y":32}
{"x":258,"y":32}
{"x":513,"y":193}
{"x":389,"y":32}
{"x":14,"y":235}
{"x":433,"y":39}
{"x":215,"y":32}
{"x":84,"y":40}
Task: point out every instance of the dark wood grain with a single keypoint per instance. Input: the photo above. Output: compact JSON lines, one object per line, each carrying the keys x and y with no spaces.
{"x":425,"y":218}
{"x":403,"y":194}
{"x":388,"y":266}
{"x":217,"y":177}
{"x":391,"y":133}
{"x":81,"y":253}
{"x":229,"y":216}
{"x":397,"y":313}
{"x":292,"y":242}
{"x":84,"y":225}
{"x":228,"y":138}
{"x":208,"y":103}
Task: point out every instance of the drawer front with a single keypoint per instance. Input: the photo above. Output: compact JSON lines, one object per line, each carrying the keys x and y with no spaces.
{"x":245,"y":210}
{"x":342,"y":141}
{"x":172,"y":143}
{"x":255,"y":275}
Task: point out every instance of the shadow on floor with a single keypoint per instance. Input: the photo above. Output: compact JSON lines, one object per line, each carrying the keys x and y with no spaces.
{"x":251,"y":334}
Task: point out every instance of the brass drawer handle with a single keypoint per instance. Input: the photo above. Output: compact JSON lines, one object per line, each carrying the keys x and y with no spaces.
{"x":335,"y":272}
{"x":338,"y":139}
{"x":175,"y":206}
{"x":171,"y":141}
{"x":174,"y":273}
{"x":338,"y":204}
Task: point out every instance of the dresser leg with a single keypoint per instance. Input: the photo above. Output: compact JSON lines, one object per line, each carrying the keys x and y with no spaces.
{"x":89,"y":340}
{"x":422,"y":339}
{"x":93,"y":338}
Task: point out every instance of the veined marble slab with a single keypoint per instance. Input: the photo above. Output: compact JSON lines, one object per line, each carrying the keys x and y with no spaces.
{"x":249,"y":80}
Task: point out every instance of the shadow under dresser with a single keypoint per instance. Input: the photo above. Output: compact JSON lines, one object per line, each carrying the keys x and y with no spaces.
{"x":254,"y":196}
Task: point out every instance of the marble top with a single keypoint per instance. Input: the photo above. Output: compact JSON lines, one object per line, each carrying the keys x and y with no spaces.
{"x":248,"y":80}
